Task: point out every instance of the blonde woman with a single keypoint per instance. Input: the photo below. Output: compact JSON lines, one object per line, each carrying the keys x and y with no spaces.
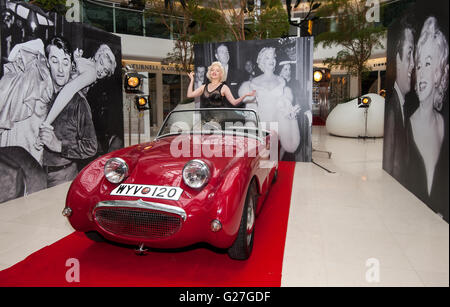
{"x":215,"y":93}
{"x":427,"y":125}
{"x":274,"y":100}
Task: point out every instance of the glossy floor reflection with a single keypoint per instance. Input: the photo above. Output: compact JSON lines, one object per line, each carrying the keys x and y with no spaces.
{"x":345,"y":225}
{"x":342,"y":225}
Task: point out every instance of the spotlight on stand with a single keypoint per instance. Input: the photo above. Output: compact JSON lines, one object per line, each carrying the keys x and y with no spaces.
{"x":321,"y":75}
{"x":141,"y":102}
{"x":318,"y":75}
{"x":133,"y":82}
{"x":364,"y":102}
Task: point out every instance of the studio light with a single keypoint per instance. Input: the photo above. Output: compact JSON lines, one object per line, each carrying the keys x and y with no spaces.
{"x":142,"y":102}
{"x":318,"y":75}
{"x":321,"y":75}
{"x":364,"y":102}
{"x":133,"y":82}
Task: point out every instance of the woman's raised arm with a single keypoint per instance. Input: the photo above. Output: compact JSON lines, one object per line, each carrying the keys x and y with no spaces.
{"x":68,"y":91}
{"x":191,"y":93}
{"x":229,"y":96}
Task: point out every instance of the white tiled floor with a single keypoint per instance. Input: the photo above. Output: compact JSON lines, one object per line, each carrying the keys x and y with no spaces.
{"x":30,"y":223}
{"x":337,"y":223}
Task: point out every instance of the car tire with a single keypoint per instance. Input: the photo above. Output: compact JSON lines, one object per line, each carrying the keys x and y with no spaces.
{"x":243,"y":245}
{"x":94,"y":236}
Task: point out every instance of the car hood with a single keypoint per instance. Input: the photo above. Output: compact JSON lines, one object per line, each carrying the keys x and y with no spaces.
{"x":161,"y":162}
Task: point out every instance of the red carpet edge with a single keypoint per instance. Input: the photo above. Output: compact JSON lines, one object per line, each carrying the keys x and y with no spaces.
{"x":77,"y":261}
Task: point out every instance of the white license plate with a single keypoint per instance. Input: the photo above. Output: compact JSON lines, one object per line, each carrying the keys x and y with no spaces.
{"x":148,"y":191}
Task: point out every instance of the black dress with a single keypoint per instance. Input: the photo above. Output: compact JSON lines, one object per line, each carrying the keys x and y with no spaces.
{"x":213,"y":99}
{"x":438,"y":198}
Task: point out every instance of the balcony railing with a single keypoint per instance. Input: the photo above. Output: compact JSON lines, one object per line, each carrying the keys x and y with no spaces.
{"x":112,"y":17}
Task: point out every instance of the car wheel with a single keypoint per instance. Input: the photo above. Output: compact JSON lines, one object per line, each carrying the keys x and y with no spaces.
{"x":242,"y":247}
{"x":94,"y":236}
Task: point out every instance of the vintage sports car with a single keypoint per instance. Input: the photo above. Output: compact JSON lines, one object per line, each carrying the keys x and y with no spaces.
{"x":203,"y":179}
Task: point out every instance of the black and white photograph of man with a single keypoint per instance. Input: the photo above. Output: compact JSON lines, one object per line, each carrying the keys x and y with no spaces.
{"x":71,"y":136}
{"x":233,"y":73}
{"x":401,"y":60}
{"x":51,"y":80}
{"x":200,"y":77}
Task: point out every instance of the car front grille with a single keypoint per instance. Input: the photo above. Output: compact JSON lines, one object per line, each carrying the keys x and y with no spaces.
{"x":137,"y":222}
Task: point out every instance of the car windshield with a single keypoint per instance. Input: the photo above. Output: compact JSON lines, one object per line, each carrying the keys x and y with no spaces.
{"x":205,"y":121}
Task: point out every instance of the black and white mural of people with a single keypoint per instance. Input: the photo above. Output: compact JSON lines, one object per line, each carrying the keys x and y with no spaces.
{"x":280,"y":71}
{"x":416,"y":121}
{"x":60,"y":106}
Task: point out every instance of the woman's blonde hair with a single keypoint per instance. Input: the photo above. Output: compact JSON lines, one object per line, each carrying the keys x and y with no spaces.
{"x":262,"y":53}
{"x":431,"y":31}
{"x":104,"y":49}
{"x":222,"y":70}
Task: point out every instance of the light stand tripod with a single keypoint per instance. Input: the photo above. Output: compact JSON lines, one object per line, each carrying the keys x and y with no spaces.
{"x":364,"y":102}
{"x":366,"y":112}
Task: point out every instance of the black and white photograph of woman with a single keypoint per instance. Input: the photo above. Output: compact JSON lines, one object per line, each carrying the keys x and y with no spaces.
{"x":280,"y":73}
{"x":427,"y":126}
{"x":274,"y":100}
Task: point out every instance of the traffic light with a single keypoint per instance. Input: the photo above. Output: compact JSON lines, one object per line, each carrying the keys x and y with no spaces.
{"x":141,"y":102}
{"x":133,"y":82}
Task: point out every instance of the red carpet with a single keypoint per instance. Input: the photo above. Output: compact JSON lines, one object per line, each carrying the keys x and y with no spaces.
{"x":317,"y":121}
{"x":103,"y":264}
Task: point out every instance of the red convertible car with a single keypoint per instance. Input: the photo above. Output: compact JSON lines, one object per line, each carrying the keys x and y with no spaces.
{"x":203,"y":179}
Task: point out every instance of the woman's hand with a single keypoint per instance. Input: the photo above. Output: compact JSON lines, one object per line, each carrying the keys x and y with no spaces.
{"x":48,"y":138}
{"x":252,"y":93}
{"x":191,"y":76}
{"x":78,"y":53}
{"x":287,"y":110}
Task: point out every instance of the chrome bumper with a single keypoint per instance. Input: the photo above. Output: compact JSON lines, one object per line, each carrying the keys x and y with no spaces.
{"x":140,"y":204}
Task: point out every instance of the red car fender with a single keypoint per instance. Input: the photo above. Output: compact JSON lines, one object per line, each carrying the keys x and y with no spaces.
{"x":230,"y":199}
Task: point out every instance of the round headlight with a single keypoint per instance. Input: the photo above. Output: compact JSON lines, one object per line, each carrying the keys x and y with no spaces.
{"x":116,"y":170}
{"x":196,"y":174}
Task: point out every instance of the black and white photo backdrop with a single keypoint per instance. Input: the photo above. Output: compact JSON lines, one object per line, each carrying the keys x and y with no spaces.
{"x":280,"y":71}
{"x":60,"y":97}
{"x":416,"y":132}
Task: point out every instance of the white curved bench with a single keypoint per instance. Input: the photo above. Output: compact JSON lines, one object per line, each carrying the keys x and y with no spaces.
{"x":346,"y":119}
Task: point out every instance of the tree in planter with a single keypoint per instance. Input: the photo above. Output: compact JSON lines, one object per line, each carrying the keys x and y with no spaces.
{"x":247,"y":22}
{"x":354,"y":33}
{"x":271,"y":21}
{"x":234,"y":13}
{"x":239,"y":11}
{"x":177,"y":20}
{"x":190,"y":24}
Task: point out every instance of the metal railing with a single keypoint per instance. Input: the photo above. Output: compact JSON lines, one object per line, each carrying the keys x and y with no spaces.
{"x":112,"y":17}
